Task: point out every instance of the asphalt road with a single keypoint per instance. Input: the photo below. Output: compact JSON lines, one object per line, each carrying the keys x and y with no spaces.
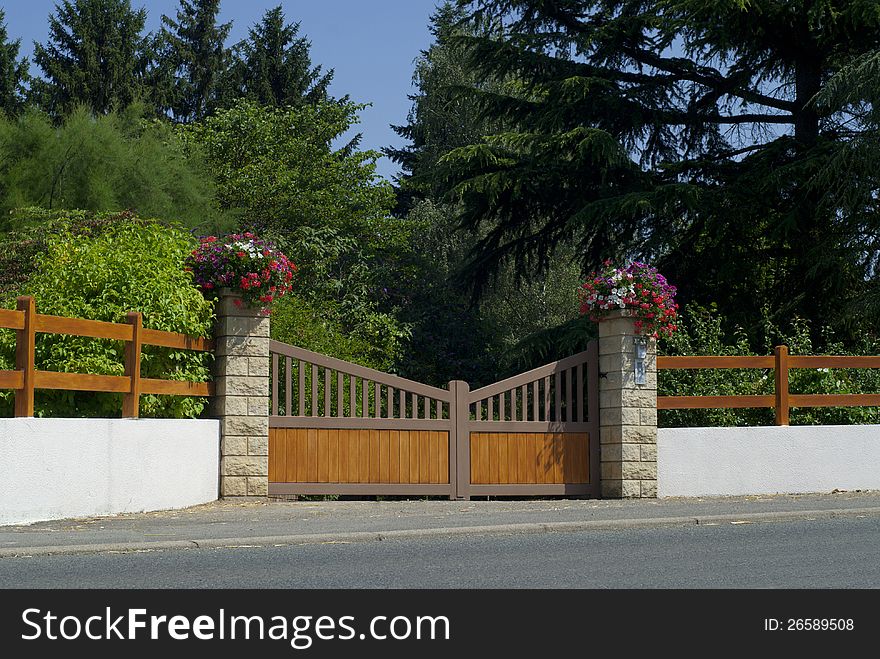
{"x":841,"y":553}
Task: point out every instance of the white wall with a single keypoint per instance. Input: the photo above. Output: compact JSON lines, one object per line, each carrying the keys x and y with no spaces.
{"x":767,"y":460}
{"x":58,"y":468}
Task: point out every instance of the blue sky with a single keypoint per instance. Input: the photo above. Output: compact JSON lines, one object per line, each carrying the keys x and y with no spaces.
{"x":371,"y":44}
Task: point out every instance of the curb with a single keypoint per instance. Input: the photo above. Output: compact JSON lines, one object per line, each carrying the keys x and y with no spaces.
{"x":378,"y":536}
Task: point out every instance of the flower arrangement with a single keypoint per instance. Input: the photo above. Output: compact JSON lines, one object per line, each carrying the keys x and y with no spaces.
{"x":248,"y":265}
{"x":638,"y":288}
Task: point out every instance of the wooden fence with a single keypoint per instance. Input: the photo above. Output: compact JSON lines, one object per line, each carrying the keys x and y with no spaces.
{"x":781,"y":400}
{"x":25,"y":379}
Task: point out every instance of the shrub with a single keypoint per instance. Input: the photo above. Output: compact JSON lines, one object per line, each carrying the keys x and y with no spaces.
{"x":100,"y":267}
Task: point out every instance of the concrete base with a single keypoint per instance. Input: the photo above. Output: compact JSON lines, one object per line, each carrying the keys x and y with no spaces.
{"x":60,"y":468}
{"x":767,"y":460}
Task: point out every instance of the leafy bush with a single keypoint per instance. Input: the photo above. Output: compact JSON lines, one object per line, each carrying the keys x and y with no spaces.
{"x":700,"y":333}
{"x":100,"y":267}
{"x":104,"y":163}
{"x":376,"y":341}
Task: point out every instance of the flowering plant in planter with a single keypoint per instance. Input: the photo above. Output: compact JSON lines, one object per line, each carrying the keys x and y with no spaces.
{"x":244,"y":263}
{"x":638,"y":288}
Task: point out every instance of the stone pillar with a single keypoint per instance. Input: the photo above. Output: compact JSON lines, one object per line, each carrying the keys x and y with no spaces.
{"x":627,"y":411}
{"x":241,"y":402}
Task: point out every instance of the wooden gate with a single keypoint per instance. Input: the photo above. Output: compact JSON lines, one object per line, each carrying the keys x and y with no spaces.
{"x":340,"y":428}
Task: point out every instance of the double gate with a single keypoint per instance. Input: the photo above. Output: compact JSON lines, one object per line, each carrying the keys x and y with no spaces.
{"x":340,"y":428}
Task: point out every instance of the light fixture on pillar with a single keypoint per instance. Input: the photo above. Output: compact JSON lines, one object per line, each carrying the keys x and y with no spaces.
{"x":640,"y":344}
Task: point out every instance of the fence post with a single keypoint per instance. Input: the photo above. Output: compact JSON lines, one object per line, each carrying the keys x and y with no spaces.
{"x":25,"y":356}
{"x":459,"y":416}
{"x":627,"y":411}
{"x":131,"y":400}
{"x":781,"y":369}
{"x":241,"y":376}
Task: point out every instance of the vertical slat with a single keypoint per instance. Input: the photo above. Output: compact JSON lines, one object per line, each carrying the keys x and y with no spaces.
{"x":502,"y":406}
{"x":340,"y":392}
{"x":131,"y":400}
{"x":363,"y":456}
{"x":301,"y":371}
{"x":401,"y":397}
{"x":479,"y":410}
{"x":568,"y":396}
{"x":384,"y":455}
{"x":413,"y":436}
{"x":24,"y":356}
{"x":327,"y":391}
{"x":438,"y":409}
{"x":557,"y":397}
{"x":495,"y":458}
{"x":403,"y":456}
{"x":580,"y":394}
{"x":353,"y":455}
{"x":314,"y":390}
{"x":503,"y":459}
{"x":352,"y":396}
{"x":365,"y":398}
{"x":288,"y":386}
{"x":424,"y":456}
{"x":302,"y":455}
{"x":547,"y":398}
{"x":435,"y":457}
{"x":274,"y":385}
{"x":781,"y":385}
{"x":535,"y":416}
{"x":394,"y":456}
{"x":390,"y":402}
{"x":333,"y":456}
{"x":524,"y":410}
{"x":312,"y":469}
{"x":374,"y":456}
{"x":414,"y":401}
{"x":491,"y":413}
{"x":551,"y":453}
{"x":324,"y":455}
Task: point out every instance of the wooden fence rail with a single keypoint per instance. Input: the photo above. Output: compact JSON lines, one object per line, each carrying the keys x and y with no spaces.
{"x":25,"y":379}
{"x":781,"y":400}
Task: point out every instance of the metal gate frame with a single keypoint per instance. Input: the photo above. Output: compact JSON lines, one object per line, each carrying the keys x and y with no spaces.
{"x":385,"y":402}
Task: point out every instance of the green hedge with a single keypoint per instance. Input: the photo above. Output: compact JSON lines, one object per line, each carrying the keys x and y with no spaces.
{"x":101,"y":266}
{"x":702,"y":333}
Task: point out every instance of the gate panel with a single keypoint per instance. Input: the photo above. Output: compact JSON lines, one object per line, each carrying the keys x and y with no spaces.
{"x":358,"y":456}
{"x":340,"y":428}
{"x":536,"y":433}
{"x":524,"y":458}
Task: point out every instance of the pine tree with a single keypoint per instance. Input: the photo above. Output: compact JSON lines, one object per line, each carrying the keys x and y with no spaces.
{"x":192,"y":59}
{"x":96,"y":55}
{"x":13,"y":72}
{"x":441,"y":118}
{"x":273,"y":67}
{"x":686,"y":132}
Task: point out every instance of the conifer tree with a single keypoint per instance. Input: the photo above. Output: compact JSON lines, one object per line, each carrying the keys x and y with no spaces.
{"x":683,"y":131}
{"x":273,"y":67}
{"x":192,"y":59}
{"x":96,"y":55}
{"x":13,"y":72}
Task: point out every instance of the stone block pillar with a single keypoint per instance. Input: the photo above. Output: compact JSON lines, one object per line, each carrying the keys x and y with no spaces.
{"x":241,"y":402}
{"x":627,"y":411}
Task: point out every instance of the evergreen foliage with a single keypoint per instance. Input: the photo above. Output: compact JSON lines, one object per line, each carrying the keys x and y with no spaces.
{"x":273,"y":67}
{"x":96,"y":56}
{"x":14,"y":75}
